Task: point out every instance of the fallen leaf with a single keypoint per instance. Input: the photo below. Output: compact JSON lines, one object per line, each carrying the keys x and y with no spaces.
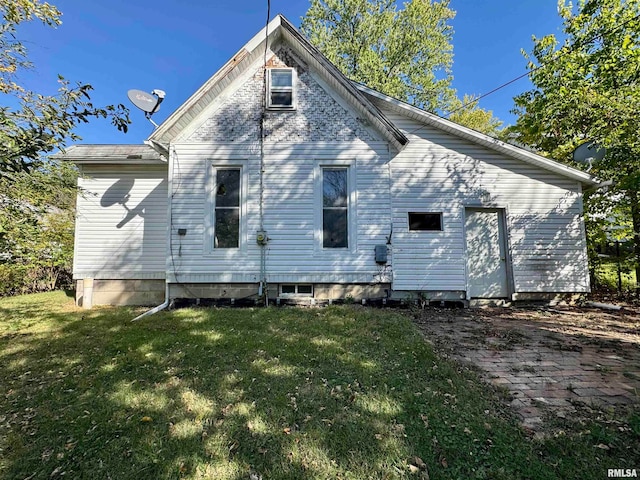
{"x":146,"y":419}
{"x":417,"y":461}
{"x":602,"y":446}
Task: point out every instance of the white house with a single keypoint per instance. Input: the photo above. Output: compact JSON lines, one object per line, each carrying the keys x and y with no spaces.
{"x":286,"y":179}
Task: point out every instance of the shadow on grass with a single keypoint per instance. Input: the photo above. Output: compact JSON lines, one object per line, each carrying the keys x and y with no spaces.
{"x":341,"y":392}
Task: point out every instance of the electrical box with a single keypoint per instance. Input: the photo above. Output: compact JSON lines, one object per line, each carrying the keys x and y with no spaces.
{"x":182,"y":232}
{"x":261,"y":237}
{"x":381,"y":254}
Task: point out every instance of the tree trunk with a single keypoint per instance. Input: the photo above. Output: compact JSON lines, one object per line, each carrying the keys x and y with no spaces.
{"x":635,"y":218}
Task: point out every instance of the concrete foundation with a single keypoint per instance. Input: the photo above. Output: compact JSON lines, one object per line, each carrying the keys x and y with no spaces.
{"x":91,"y":292}
{"x":321,"y":291}
{"x":550,"y":298}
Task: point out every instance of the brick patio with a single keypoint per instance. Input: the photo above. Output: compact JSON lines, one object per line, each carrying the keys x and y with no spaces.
{"x":548,"y":359}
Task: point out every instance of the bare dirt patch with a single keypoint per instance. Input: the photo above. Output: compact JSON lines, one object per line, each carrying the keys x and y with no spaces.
{"x":566,"y":361}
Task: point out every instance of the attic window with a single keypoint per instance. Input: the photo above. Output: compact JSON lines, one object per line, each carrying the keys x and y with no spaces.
{"x":281,"y":88}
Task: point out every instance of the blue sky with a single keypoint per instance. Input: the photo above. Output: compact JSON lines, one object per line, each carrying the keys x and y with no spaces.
{"x":177,"y":45}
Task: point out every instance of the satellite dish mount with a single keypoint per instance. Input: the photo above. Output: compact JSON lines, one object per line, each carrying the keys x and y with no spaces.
{"x":149,"y":103}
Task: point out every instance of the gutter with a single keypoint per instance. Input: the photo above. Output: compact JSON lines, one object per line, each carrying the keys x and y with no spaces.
{"x":160,"y":307}
{"x":598,"y":186}
{"x":158,"y":147}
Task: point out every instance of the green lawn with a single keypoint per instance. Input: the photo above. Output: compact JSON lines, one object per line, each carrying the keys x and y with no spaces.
{"x":607,"y":276}
{"x":282,"y":393}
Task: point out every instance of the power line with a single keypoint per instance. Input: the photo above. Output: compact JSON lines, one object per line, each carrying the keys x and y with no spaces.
{"x":560,"y":54}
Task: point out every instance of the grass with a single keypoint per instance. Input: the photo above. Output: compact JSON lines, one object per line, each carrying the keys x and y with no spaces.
{"x":607,"y":276}
{"x":341,"y":392}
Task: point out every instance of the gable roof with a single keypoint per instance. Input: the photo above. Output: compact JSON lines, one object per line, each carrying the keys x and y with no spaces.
{"x":479,"y":138}
{"x":278,"y":29}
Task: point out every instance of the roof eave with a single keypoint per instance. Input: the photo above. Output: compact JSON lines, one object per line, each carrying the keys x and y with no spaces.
{"x":373,"y":114}
{"x":159,"y":134}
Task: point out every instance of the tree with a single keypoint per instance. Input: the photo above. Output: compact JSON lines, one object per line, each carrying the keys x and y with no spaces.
{"x":405,"y":53}
{"x":36,"y":228}
{"x":466,"y":112}
{"x":37,"y":195}
{"x":587,"y":88}
{"x":41,"y":123}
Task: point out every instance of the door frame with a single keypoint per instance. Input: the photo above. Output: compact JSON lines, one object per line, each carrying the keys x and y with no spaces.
{"x":503,"y":216}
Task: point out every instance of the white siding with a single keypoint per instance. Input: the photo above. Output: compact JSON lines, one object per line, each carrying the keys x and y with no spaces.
{"x":438,"y":172}
{"x":121,"y":222}
{"x":290,"y":213}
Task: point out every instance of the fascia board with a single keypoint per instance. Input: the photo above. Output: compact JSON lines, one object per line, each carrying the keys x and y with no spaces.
{"x":158,"y":134}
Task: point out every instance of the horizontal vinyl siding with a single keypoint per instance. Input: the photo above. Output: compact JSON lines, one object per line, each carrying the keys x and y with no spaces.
{"x":438,"y":172}
{"x":290,"y":213}
{"x":112,"y":242}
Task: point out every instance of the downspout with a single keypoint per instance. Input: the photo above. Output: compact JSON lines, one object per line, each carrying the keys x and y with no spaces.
{"x":160,"y":307}
{"x":156,"y":146}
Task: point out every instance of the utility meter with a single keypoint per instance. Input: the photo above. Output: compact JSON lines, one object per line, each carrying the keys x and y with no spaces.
{"x":261,"y":237}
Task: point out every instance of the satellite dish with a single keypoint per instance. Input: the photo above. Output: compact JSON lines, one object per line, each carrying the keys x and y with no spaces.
{"x":589,"y":152}
{"x":149,"y":103}
{"x":146,"y":102}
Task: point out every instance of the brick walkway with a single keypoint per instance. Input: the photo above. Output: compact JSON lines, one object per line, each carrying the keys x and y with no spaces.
{"x":548,"y":359}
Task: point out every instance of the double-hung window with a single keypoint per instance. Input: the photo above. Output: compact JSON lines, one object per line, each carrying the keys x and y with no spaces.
{"x":281,"y":94}
{"x":335,"y":207}
{"x":226,"y":225}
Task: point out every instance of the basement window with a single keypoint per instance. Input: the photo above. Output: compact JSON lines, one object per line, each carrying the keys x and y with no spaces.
{"x":281,"y":88}
{"x":425,"y":221}
{"x":296,"y":290}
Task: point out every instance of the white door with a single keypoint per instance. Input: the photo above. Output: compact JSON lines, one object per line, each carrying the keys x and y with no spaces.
{"x":486,"y":253}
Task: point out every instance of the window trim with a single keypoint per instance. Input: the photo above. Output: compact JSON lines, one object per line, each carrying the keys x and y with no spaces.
{"x":440,"y":215}
{"x":350,"y":166}
{"x":210,"y":207}
{"x":271,"y":88}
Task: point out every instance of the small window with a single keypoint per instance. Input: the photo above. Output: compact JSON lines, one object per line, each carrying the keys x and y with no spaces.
{"x":281,"y":89}
{"x":296,"y":290}
{"x":227,"y":208}
{"x":425,"y":221}
{"x":335,"y":208}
